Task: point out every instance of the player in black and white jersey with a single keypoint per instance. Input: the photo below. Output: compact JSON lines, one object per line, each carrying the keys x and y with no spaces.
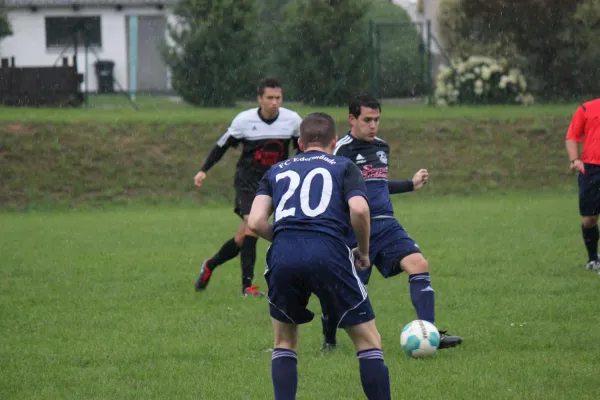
{"x":265,"y":132}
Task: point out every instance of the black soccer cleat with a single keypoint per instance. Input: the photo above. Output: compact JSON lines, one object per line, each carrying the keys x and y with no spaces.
{"x":448,"y":341}
{"x":327,"y":346}
{"x":204,"y":278}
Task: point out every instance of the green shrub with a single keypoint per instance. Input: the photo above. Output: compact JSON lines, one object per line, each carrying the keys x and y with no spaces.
{"x":210,"y":50}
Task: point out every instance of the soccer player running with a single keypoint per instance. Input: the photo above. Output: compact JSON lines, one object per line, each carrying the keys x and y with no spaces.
{"x":317,"y":199}
{"x":392,"y":249}
{"x":585,"y":127}
{"x":265,"y":133}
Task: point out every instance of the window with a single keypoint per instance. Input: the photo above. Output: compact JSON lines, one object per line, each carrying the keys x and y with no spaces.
{"x":66,"y":31}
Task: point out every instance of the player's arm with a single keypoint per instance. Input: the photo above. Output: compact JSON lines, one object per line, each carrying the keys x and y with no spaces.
{"x":262,"y":208}
{"x":574,"y":137}
{"x":296,"y":136}
{"x":355,"y":192}
{"x":417,"y":182}
{"x":296,"y":146}
{"x":396,"y":187}
{"x":231,"y":138}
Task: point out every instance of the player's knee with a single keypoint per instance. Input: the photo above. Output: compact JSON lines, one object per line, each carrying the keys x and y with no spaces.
{"x":286,"y":338}
{"x":365,"y":336}
{"x":414,"y":264}
{"x":590,"y":221}
{"x":370,"y":341}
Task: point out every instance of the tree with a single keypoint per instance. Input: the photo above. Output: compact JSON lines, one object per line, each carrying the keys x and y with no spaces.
{"x":210,"y":47}
{"x":324,"y":51}
{"x":399,"y":50}
{"x":5,"y":29}
{"x":264,"y":56}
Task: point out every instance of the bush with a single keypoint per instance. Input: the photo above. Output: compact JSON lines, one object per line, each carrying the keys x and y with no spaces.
{"x":481,"y":80}
{"x":553,"y":41}
{"x":324,"y":50}
{"x":5,"y":29}
{"x":210,"y":50}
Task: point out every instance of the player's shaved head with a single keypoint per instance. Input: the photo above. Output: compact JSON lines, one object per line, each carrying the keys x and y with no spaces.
{"x":317,"y":130}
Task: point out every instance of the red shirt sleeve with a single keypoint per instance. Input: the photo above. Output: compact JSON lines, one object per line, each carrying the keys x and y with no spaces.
{"x":575,"y":131}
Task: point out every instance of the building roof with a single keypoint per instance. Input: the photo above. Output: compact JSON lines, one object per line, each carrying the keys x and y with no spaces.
{"x":85,"y":3}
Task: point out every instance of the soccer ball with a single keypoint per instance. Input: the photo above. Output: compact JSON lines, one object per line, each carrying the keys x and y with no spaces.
{"x":419,"y":339}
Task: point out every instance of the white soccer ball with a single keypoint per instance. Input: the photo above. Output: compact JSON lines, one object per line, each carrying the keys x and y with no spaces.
{"x":419,"y":339}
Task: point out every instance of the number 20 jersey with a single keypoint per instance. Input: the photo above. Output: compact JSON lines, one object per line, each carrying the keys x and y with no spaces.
{"x":310,"y":192}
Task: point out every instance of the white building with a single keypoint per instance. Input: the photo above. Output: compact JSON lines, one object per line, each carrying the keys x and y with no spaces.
{"x":44,"y":31}
{"x":421,"y":11}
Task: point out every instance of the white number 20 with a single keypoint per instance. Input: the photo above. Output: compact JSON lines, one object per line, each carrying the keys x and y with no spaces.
{"x":294,"y":177}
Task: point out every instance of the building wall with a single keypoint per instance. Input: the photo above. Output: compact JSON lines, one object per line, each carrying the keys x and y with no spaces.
{"x":28,"y":42}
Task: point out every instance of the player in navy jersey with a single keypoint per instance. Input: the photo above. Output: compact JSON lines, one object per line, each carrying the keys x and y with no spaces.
{"x":317,"y":199}
{"x":392,"y":249}
{"x":265,"y":133}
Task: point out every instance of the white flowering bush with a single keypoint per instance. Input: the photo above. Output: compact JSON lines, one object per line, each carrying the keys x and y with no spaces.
{"x":481,"y":80}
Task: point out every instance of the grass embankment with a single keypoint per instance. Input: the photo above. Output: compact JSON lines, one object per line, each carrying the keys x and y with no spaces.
{"x":106,"y":155}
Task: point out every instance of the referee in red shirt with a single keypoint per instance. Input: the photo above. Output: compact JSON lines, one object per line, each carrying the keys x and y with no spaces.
{"x":585,"y":129}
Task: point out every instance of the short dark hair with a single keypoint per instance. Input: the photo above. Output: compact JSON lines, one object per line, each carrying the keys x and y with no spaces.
{"x":363,"y":100}
{"x":268,"y":83}
{"x":317,"y":129}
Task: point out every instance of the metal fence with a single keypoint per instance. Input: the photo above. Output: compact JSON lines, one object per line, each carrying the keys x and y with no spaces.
{"x":400,"y":59}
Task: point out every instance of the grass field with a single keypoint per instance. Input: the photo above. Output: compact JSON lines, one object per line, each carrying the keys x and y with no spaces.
{"x":163,"y":109}
{"x":100,"y":156}
{"x":100,"y":305}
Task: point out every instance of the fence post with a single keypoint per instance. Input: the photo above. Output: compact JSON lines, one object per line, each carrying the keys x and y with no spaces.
{"x":372,"y":57}
{"x":87,"y":88}
{"x":377,"y":59}
{"x":133,"y":31}
{"x":429,"y":80}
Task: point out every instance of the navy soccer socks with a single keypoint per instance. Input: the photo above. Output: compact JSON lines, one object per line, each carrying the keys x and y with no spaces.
{"x":284,"y":372}
{"x":248,"y":256}
{"x":228,"y":251}
{"x":374,"y":374}
{"x":590,"y":238}
{"x":422,"y":296}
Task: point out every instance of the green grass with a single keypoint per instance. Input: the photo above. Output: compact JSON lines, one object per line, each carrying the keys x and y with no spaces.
{"x":101,"y":305}
{"x":116,"y":108}
{"x":48,"y":164}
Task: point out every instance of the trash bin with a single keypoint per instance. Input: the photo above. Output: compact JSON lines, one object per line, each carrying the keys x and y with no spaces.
{"x":104,"y":76}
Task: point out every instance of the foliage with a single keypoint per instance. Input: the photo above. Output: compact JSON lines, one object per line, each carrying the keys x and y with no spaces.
{"x":324,"y":50}
{"x":400,"y":51}
{"x":481,"y":80}
{"x":5,"y":29}
{"x":210,"y":47}
{"x":552,"y":40}
{"x":460,"y":35}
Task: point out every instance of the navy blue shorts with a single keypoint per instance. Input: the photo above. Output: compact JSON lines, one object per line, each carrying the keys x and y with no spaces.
{"x":389,"y":244}
{"x":301,"y":263}
{"x":589,"y":191}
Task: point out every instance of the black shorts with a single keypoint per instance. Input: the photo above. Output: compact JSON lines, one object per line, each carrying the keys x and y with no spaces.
{"x":589,"y":191}
{"x":243,"y":202}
